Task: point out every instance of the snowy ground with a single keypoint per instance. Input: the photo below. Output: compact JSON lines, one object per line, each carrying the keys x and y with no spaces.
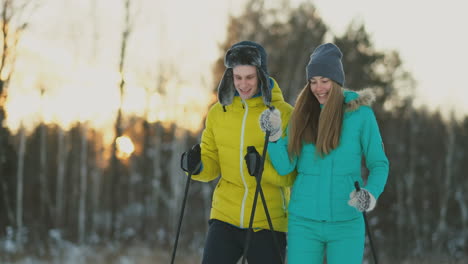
{"x":87,"y":255}
{"x":68,"y":253}
{"x":136,"y":255}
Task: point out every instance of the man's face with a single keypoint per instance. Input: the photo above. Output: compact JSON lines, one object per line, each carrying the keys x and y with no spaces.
{"x":246,"y":80}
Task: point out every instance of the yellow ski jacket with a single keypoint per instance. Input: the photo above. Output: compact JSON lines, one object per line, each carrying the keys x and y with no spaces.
{"x":224,"y":145}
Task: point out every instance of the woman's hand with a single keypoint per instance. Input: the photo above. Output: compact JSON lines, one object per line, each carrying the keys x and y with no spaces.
{"x":362,"y":200}
{"x":270,"y":120}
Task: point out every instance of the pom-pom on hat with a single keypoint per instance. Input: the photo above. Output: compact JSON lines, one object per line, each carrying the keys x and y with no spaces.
{"x":326,"y":61}
{"x":244,"y":53}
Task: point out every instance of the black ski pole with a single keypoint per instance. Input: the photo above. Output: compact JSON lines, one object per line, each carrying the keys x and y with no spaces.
{"x":254,"y":162}
{"x":255,"y":169}
{"x":358,"y":188}
{"x":265,"y":207}
{"x":184,"y":201}
{"x":256,"y":166}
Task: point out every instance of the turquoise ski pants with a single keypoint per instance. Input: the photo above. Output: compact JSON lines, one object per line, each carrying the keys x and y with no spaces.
{"x":308,"y":240}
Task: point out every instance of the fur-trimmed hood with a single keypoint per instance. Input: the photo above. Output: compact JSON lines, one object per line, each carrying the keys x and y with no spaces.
{"x":354,"y":99}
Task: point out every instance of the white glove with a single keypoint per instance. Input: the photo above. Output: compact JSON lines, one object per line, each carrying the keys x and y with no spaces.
{"x":271,"y":120}
{"x":363,"y":200}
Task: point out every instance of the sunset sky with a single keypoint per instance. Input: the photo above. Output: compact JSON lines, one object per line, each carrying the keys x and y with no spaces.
{"x":71,"y":50}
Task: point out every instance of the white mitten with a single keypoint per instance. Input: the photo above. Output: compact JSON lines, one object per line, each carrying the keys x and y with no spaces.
{"x":270,"y":120}
{"x":363,"y":200}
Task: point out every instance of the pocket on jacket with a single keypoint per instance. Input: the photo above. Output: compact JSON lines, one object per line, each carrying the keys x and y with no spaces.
{"x":307,"y":185}
{"x":342,"y":185}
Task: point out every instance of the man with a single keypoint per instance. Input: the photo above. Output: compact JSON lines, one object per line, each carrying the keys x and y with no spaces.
{"x":244,"y":92}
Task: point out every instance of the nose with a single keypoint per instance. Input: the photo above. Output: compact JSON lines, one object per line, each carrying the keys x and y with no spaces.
{"x":316,"y":88}
{"x":242,"y":82}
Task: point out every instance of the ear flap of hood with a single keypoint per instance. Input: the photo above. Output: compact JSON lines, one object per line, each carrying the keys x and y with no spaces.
{"x":264,"y":85}
{"x":243,"y":55}
{"x":226,"y":88}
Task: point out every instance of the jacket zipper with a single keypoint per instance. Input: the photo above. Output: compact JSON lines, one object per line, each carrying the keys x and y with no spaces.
{"x":283,"y":198}
{"x":241,"y":159}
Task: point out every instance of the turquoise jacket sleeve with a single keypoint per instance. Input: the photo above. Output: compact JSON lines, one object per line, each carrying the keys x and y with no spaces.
{"x":373,"y":150}
{"x":278,"y":152}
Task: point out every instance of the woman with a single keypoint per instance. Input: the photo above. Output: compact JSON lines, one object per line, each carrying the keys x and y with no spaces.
{"x":244,"y":92}
{"x":330,"y":130}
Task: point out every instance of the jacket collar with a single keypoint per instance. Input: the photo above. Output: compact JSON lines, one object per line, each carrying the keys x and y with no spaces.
{"x":354,"y":99}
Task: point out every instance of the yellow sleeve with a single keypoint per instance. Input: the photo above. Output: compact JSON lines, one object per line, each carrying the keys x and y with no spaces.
{"x":209,"y":152}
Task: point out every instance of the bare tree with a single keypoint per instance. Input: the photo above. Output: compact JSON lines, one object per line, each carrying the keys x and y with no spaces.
{"x":12,"y":26}
{"x":118,"y":129}
{"x":12,"y":23}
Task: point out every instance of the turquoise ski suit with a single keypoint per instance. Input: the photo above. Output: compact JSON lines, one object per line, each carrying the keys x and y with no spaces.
{"x":319,"y":214}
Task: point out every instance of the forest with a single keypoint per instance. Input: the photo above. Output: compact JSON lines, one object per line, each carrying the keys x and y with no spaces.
{"x":68,"y":196}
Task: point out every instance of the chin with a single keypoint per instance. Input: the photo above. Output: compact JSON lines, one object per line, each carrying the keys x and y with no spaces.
{"x":246,"y":97}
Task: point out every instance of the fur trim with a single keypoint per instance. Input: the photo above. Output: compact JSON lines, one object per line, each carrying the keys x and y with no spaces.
{"x":243,"y":55}
{"x":226,"y":88}
{"x":365,"y":97}
{"x":264,"y":84}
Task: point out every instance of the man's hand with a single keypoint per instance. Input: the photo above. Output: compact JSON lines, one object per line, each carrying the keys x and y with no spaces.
{"x":190,"y":160}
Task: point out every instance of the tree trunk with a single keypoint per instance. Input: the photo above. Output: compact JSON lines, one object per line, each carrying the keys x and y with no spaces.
{"x":447,"y":189}
{"x":45,"y":204}
{"x":62,"y":155}
{"x":83,"y":184}
{"x":19,"y":187}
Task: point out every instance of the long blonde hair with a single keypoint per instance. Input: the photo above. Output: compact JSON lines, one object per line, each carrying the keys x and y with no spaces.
{"x":310,"y":124}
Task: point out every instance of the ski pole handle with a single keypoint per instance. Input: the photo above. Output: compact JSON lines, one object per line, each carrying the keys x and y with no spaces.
{"x":356,"y":185}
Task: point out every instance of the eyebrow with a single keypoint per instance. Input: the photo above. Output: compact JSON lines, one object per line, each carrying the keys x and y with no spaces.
{"x":250,"y":75}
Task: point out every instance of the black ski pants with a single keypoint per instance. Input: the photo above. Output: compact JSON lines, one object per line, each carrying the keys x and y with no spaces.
{"x":225,"y":244}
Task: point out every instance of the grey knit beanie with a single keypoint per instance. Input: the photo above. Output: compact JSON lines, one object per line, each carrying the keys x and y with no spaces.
{"x":244,"y":53}
{"x":326,"y":61}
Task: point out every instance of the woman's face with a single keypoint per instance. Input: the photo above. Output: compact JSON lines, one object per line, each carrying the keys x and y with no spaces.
{"x":321,"y":87}
{"x":245,"y":81}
